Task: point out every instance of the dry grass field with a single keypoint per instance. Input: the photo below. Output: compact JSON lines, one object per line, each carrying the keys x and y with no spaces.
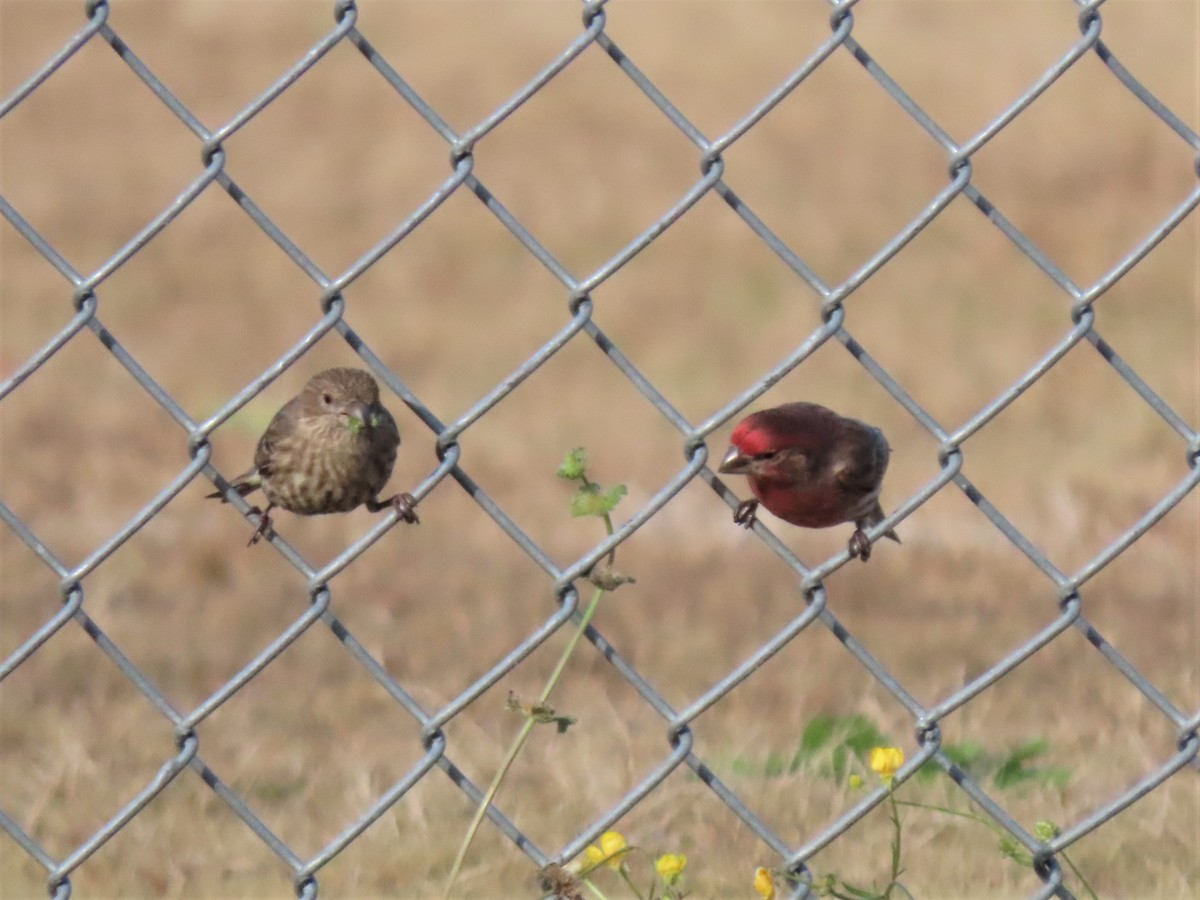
{"x":589,"y":163}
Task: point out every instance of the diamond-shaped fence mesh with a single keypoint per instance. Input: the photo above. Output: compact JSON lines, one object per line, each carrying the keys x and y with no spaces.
{"x":462,"y":465}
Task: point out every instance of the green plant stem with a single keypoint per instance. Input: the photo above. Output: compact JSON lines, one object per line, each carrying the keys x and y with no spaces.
{"x":996,"y":829}
{"x":951,"y":812}
{"x":974,"y":817}
{"x":509,"y":758}
{"x":588,"y":614}
{"x":624,"y":870}
{"x":1079,"y":875}
{"x":896,"y":846}
{"x":591,"y":886}
{"x":519,"y":741}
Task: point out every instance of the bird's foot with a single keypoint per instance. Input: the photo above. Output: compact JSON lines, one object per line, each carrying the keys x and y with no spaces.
{"x":859,"y":545}
{"x":746,"y":513}
{"x":404,"y":504}
{"x":264,"y":529}
{"x":406,"y":508}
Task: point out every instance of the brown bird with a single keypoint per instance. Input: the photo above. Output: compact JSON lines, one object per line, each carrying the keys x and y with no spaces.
{"x":329,"y":449}
{"x":811,"y":467}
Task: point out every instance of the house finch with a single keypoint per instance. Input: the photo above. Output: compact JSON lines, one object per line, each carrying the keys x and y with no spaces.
{"x":811,"y":467}
{"x":329,"y":449}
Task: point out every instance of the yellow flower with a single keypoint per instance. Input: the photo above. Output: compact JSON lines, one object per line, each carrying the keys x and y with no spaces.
{"x":885,"y":761}
{"x":670,"y":867}
{"x":856,"y":781}
{"x":764,"y":883}
{"x":612,"y":848}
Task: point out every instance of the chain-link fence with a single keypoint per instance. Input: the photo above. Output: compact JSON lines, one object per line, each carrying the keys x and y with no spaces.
{"x":86,"y":290}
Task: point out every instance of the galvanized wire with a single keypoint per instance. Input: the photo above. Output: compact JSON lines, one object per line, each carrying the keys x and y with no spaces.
{"x":678,"y":749}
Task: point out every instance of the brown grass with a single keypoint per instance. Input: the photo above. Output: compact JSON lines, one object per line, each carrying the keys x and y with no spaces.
{"x":836,"y":170}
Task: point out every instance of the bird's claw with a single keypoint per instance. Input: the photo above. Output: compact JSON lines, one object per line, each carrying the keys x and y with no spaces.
{"x":406,"y":508}
{"x":859,"y":545}
{"x":746,"y":513}
{"x":264,"y":529}
{"x":404,"y":504}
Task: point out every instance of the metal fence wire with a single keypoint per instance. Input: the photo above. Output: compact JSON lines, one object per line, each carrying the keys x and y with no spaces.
{"x":678,"y":750}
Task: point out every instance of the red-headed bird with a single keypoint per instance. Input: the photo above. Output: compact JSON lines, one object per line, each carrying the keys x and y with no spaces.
{"x":811,"y":467}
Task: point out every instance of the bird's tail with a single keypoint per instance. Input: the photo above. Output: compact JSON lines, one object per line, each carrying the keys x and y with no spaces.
{"x":875,"y":516}
{"x":243,"y":484}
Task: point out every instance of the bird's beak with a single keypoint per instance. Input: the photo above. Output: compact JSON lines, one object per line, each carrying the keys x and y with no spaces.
{"x":362,"y":412}
{"x":734,"y":463}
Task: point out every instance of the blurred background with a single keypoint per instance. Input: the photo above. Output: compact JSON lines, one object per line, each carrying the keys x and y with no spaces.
{"x":837,"y":170}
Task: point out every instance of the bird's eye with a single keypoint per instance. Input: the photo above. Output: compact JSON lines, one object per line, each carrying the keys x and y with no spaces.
{"x":767,"y":456}
{"x":327,"y":399}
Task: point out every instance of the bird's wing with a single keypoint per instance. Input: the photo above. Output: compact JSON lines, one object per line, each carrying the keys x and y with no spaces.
{"x":859,"y":466}
{"x":387,"y":428}
{"x":281,"y":428}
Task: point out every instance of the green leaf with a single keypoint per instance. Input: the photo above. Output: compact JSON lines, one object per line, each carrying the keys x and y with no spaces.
{"x":967,"y":755}
{"x":574,"y":465}
{"x":862,"y":735}
{"x":355,"y":425}
{"x":613,"y":496}
{"x":1013,"y":769}
{"x":742,"y":766}
{"x":1008,"y":769}
{"x":1031,"y":749}
{"x":774,"y":766}
{"x":1014,"y":851}
{"x":590,"y":500}
{"x":970,"y":756}
{"x":1056,"y":776}
{"x":817,"y":733}
{"x":539,"y":713}
{"x":1045,"y":831}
